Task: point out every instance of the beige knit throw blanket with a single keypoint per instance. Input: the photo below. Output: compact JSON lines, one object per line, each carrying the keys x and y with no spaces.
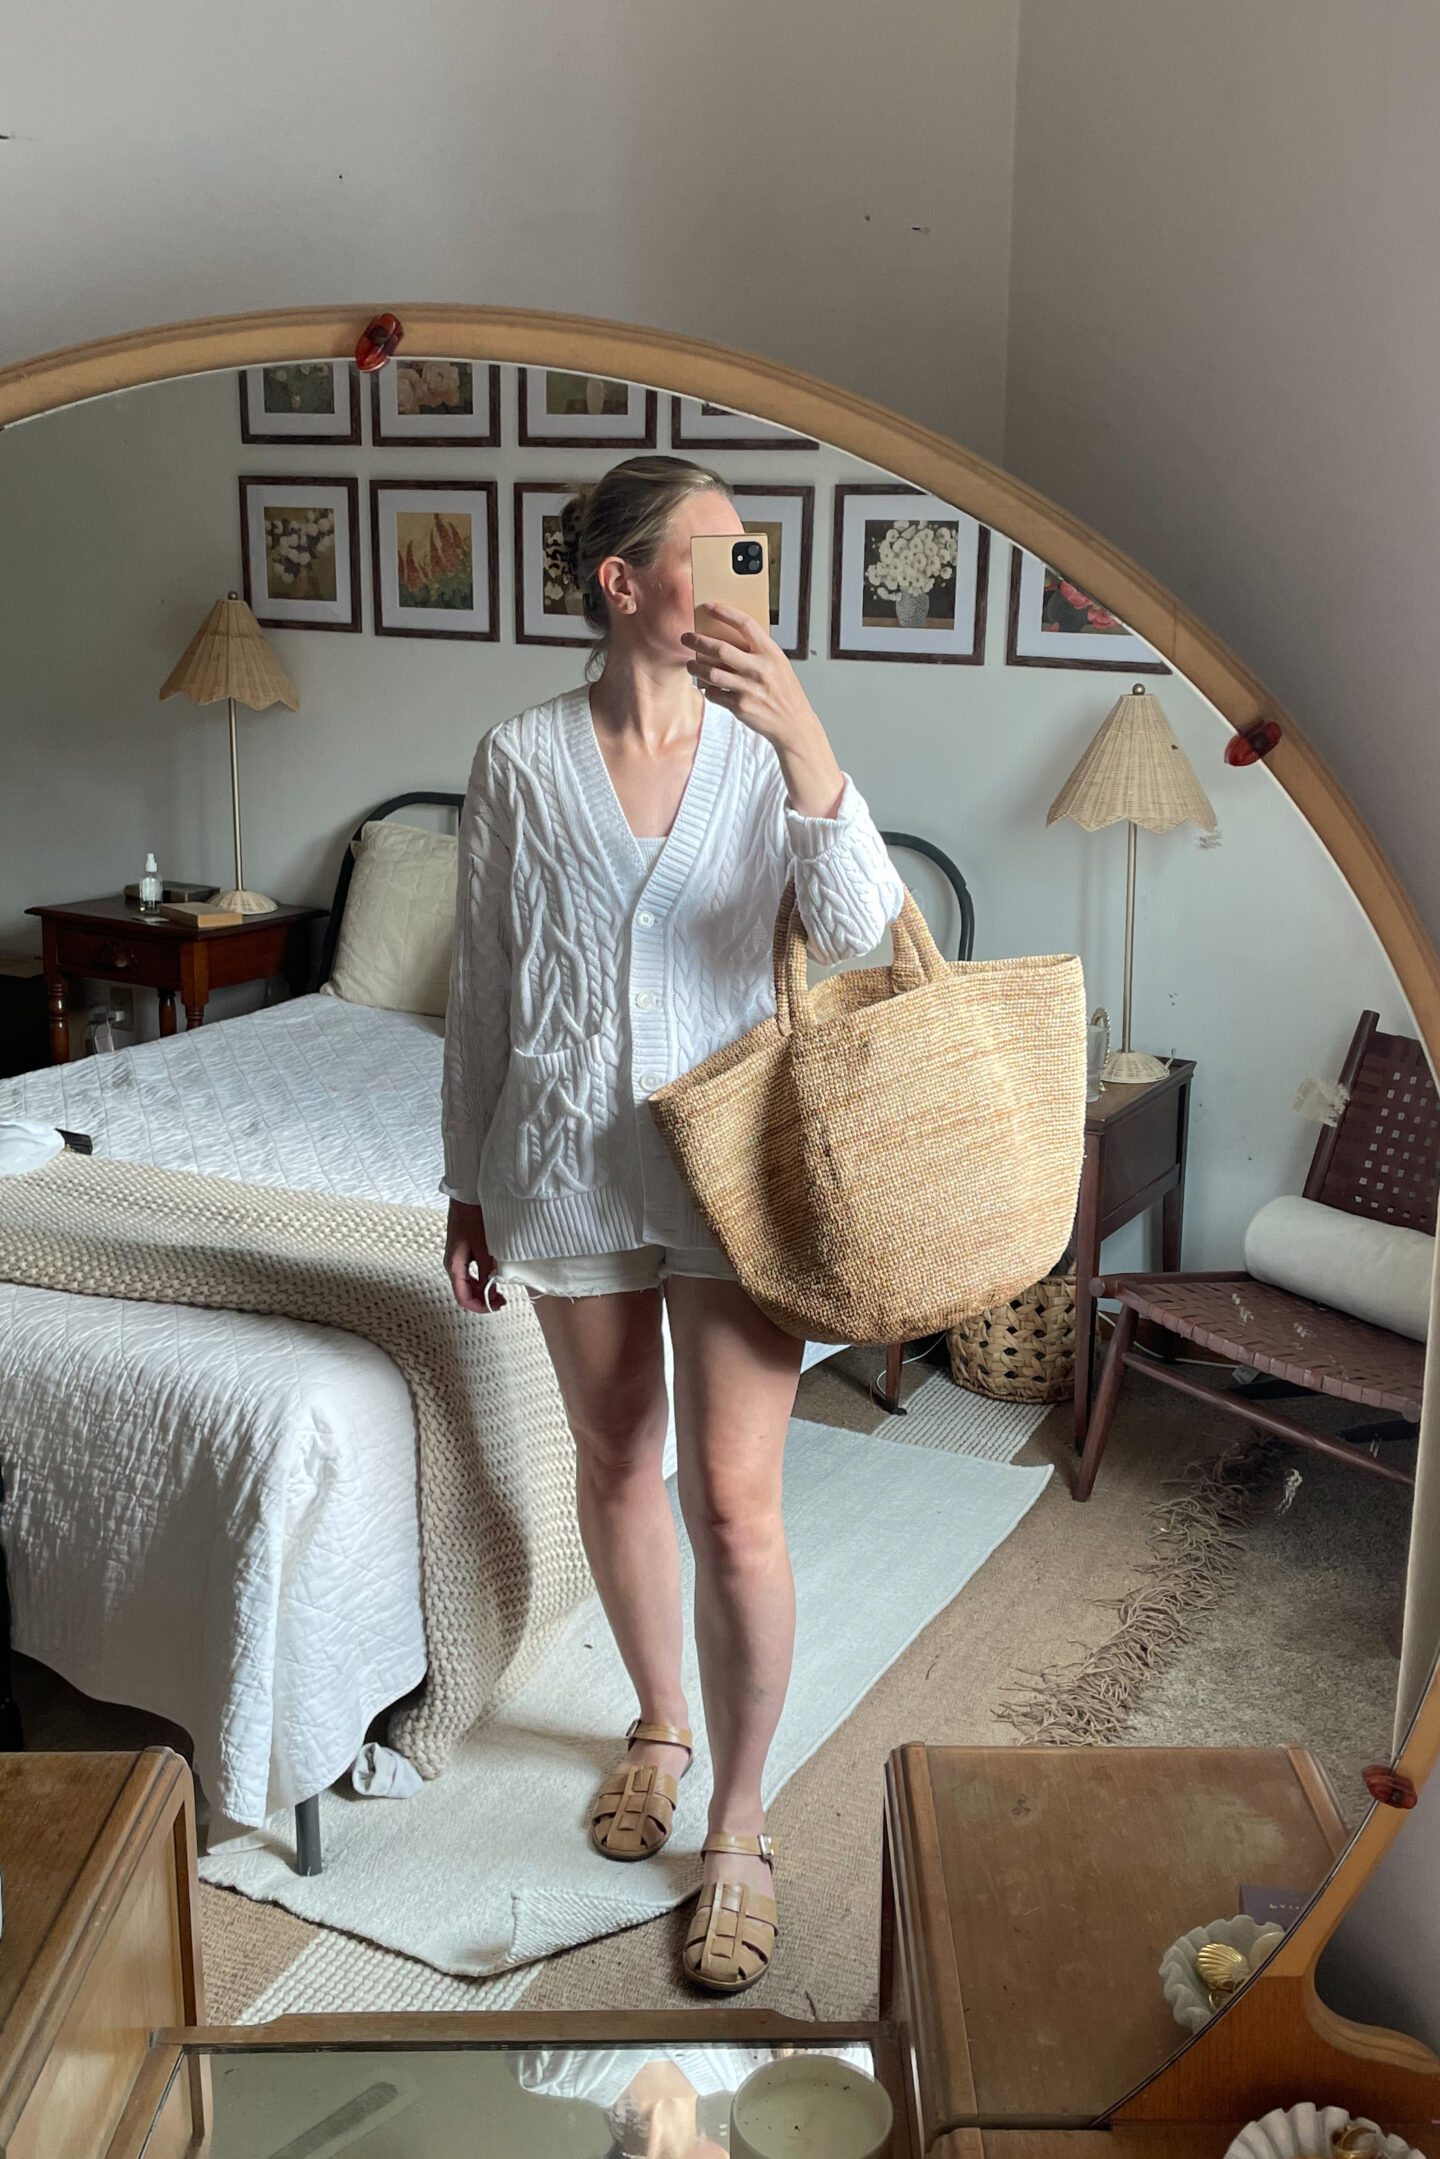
{"x":500,"y":1557}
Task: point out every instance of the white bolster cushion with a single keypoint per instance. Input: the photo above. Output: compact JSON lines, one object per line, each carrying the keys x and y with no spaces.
{"x":1375,"y":1271}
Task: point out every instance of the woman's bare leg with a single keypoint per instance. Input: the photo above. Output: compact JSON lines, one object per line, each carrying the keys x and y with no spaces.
{"x":607,"y":1357}
{"x":735,"y":1378}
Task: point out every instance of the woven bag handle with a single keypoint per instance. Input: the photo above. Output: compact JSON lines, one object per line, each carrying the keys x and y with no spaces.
{"x":916,"y":958}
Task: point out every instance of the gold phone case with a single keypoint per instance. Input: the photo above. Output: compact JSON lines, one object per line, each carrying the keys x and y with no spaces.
{"x":716,"y":578}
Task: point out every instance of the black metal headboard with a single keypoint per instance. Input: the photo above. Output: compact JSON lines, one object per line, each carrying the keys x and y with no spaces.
{"x":457,"y":803}
{"x":957,"y":883}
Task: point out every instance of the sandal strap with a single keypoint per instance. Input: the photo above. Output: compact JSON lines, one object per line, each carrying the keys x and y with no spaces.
{"x":666,"y":1735}
{"x":725,"y":1908}
{"x":761,"y":1847}
{"x":625,"y":1785}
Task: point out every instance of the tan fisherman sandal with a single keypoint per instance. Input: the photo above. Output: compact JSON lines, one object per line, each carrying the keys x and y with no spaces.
{"x":635,"y":1806}
{"x":734,"y":1930}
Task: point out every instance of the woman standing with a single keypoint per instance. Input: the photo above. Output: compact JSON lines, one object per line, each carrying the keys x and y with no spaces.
{"x":623,"y":851}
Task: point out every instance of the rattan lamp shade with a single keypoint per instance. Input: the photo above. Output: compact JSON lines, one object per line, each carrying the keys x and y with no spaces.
{"x":228,"y":657}
{"x":1134,"y":769}
{"x":1136,"y":773}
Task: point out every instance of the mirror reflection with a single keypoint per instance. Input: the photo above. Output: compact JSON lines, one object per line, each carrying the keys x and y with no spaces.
{"x":657,"y":2100}
{"x":255,"y":628}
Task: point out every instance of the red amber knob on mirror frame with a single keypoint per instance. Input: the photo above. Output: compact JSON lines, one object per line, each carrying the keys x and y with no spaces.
{"x":1389,"y":1787}
{"x":1249,"y":744}
{"x":378,"y":341}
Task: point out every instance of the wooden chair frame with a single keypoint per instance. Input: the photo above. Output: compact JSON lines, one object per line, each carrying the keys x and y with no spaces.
{"x":1244,"y":1320}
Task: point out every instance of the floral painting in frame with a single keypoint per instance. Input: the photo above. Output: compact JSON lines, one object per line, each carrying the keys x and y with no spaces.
{"x":696,"y":425}
{"x":300,"y":551}
{"x":1052,"y":623}
{"x":454,"y":404}
{"x":315,"y":401}
{"x":547,"y":605}
{"x":786,"y":516}
{"x":434,"y":558}
{"x":908,"y":578}
{"x":559,"y":408}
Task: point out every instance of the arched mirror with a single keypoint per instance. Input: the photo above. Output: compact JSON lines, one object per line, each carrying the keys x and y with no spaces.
{"x":192,"y":1475}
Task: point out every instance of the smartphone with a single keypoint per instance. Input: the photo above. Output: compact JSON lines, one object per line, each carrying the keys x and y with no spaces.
{"x":734,"y":568}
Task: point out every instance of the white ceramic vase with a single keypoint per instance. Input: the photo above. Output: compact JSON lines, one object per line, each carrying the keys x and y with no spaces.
{"x":1306,"y":2128}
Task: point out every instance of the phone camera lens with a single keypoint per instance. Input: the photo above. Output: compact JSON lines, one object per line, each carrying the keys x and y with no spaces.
{"x":745,"y":557}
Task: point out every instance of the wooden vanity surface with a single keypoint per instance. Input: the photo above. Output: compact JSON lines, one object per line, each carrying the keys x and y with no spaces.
{"x":97,"y":1853}
{"x":1033,"y":1891}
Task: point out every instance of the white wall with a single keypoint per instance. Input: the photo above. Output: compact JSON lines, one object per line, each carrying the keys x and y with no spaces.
{"x":1225,"y":337}
{"x":822,"y":182}
{"x":1252,"y":957}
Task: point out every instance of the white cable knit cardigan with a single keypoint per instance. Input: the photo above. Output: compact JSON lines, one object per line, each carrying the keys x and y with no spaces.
{"x":580,"y":984}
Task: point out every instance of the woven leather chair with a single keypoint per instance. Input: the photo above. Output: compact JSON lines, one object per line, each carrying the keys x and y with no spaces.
{"x":1381,"y":1160}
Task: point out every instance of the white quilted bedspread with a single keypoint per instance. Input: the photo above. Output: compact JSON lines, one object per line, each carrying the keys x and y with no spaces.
{"x":212,"y":1515}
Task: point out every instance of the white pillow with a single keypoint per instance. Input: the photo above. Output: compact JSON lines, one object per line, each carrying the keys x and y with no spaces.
{"x":1372,"y":1270}
{"x":399,"y":920}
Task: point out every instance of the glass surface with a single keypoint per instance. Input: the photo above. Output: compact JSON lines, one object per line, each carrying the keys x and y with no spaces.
{"x":657,"y":2101}
{"x":961,"y":681}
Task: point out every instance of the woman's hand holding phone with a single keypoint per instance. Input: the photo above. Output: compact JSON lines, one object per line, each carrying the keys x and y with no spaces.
{"x":749,"y":674}
{"x":466,"y":1247}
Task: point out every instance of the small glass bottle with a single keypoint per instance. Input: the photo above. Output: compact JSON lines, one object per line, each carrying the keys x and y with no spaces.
{"x":152,"y":891}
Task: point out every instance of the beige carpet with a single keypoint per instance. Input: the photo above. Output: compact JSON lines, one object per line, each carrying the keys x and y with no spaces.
{"x":1044,"y":1599}
{"x":1039,"y":1600}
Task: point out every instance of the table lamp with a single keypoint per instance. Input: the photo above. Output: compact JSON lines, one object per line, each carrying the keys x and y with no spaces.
{"x":228,"y":657}
{"x":1133,"y":771}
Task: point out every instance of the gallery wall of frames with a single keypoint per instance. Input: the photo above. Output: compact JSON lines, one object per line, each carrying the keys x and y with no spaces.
{"x":909,"y":575}
{"x":397,"y":538}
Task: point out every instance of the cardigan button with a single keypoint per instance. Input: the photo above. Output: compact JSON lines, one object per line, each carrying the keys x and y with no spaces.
{"x":645,"y":919}
{"x":649,"y":1081}
{"x":643,"y":1000}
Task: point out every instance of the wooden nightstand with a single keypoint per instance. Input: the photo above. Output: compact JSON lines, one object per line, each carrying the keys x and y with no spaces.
{"x":111,"y":940}
{"x":1135,"y":1144}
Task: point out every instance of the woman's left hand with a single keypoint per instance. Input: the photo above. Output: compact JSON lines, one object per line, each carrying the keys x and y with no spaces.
{"x":749,"y":674}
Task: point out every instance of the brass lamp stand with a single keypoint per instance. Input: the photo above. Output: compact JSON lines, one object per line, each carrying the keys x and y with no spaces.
{"x":1134,"y":771}
{"x":228,"y":657}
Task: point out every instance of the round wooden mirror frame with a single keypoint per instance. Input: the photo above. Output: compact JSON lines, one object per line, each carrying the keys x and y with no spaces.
{"x":1280,"y":2008}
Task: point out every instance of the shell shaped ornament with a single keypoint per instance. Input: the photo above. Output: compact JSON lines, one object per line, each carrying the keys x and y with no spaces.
{"x":1222,"y":1968}
{"x":1310,"y":2132}
{"x":1193,"y":1996}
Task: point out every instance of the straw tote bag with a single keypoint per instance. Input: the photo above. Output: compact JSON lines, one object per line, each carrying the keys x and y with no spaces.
{"x":898,"y":1148}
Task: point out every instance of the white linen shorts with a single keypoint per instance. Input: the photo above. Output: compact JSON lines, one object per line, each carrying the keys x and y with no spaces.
{"x":601,"y":1274}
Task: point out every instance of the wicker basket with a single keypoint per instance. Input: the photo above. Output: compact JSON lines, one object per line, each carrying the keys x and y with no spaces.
{"x":1023,"y":1351}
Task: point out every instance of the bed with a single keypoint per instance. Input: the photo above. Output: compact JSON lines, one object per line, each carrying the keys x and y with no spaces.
{"x":212,"y":1515}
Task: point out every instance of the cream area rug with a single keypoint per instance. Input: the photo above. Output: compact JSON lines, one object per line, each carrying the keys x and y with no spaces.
{"x":490,"y":1866}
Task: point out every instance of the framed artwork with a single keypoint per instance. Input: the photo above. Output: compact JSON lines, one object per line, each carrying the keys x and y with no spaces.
{"x":300,"y":401}
{"x":434,"y":558}
{"x":908,"y":578}
{"x":452,"y":403}
{"x":300,"y":551}
{"x":1052,"y":623}
{"x":786,"y":516}
{"x":558,"y":409}
{"x":547,"y":605}
{"x":694,"y":425}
